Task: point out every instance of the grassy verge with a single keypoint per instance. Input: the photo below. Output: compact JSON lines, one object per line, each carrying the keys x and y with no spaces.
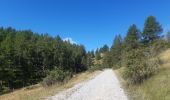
{"x":37,"y":92}
{"x":155,"y":88}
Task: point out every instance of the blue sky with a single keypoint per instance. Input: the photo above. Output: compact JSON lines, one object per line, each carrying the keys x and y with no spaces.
{"x":92,"y":23}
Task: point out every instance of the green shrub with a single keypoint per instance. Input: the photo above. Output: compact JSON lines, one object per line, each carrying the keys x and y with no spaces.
{"x":4,"y":89}
{"x":159,"y":45}
{"x":55,"y":77}
{"x":96,"y":67}
{"x":140,"y":65}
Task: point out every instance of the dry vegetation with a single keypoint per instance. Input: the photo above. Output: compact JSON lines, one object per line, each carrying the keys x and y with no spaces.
{"x":37,"y":92}
{"x":155,"y":88}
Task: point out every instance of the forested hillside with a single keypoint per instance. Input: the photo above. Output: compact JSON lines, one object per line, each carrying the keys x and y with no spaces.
{"x":26,"y":58}
{"x":137,"y":51}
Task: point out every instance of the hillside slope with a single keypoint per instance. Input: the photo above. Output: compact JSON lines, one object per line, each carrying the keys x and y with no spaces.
{"x":37,"y":92}
{"x":158,"y":86}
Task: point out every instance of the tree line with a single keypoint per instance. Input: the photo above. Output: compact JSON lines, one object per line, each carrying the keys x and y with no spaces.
{"x":26,"y":57}
{"x":137,"y":52}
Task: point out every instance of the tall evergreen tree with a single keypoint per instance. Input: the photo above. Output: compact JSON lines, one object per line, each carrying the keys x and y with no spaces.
{"x":132,"y":37}
{"x":116,"y":51}
{"x":104,"y":49}
{"x":152,"y":29}
{"x":26,"y":57}
{"x":117,"y":42}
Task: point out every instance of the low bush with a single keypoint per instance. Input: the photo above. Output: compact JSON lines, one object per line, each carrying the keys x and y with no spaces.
{"x":159,"y":45}
{"x":140,"y":65}
{"x":96,"y":67}
{"x":4,"y":89}
{"x":56,"y":76}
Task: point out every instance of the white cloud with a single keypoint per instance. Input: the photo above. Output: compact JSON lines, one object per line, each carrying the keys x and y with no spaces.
{"x":70,"y":40}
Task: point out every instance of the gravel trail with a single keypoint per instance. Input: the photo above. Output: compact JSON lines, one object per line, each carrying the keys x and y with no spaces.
{"x":104,"y":86}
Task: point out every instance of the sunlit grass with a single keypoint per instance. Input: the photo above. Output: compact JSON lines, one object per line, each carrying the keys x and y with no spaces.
{"x":155,"y":88}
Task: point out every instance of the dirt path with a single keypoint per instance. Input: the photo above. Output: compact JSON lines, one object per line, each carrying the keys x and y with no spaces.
{"x":104,"y":86}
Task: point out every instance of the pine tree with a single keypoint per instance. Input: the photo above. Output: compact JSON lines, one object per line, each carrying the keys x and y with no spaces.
{"x":116,"y":51}
{"x":104,"y":49}
{"x":132,"y":37}
{"x":152,"y":29}
{"x":26,"y":57}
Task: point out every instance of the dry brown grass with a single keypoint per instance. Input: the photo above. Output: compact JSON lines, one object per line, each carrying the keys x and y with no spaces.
{"x":165,"y":59}
{"x":37,"y":92}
